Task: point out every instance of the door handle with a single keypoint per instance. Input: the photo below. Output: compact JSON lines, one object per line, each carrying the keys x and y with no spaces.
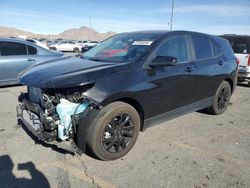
{"x":220,"y":63}
{"x":31,"y":59}
{"x":189,"y":69}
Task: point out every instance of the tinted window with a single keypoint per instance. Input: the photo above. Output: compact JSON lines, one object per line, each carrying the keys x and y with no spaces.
{"x":32,"y":50}
{"x":12,"y":48}
{"x":240,"y":45}
{"x":175,"y":47}
{"x":202,"y":47}
{"x":216,"y":49}
{"x":227,"y":49}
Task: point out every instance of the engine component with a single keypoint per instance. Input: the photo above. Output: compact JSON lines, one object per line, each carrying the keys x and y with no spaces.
{"x":65,"y":110}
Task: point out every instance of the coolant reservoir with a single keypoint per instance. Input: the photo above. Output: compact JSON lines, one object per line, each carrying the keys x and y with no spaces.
{"x":65,"y":110}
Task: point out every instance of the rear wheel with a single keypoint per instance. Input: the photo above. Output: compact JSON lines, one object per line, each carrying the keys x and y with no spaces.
{"x":221,"y":99}
{"x":248,"y":83}
{"x":76,"y":50}
{"x":114,"y":131}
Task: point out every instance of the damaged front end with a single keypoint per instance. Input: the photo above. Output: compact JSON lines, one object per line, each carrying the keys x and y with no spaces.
{"x":54,"y":115}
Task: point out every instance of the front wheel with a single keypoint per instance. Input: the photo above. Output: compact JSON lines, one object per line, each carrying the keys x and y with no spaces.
{"x":221,"y":99}
{"x":114,"y":131}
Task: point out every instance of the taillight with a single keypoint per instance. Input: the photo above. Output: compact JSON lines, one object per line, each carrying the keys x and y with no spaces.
{"x":248,"y":63}
{"x":238,"y":61}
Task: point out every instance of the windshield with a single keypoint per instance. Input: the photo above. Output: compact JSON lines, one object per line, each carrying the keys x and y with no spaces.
{"x":122,"y":48}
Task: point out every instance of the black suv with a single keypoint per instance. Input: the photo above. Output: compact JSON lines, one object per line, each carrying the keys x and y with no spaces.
{"x":105,"y":97}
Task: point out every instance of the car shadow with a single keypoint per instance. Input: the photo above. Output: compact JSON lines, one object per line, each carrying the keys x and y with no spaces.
{"x":10,"y":86}
{"x":242,"y":84}
{"x":8,"y":179}
{"x":37,"y":141}
{"x":53,"y":147}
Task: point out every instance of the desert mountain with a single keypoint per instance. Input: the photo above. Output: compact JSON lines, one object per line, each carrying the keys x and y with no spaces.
{"x":82,"y":33}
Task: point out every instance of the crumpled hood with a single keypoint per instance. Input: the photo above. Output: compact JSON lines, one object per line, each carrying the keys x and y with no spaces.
{"x":65,"y":72}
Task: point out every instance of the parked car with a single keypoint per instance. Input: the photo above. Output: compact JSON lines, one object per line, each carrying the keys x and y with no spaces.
{"x":92,"y":43}
{"x":49,"y":42}
{"x":86,"y":48}
{"x":88,"y":45}
{"x":17,"y":55}
{"x":241,"y":47}
{"x":53,"y":42}
{"x":38,"y":43}
{"x":82,"y":42}
{"x":129,"y":82}
{"x":70,"y":46}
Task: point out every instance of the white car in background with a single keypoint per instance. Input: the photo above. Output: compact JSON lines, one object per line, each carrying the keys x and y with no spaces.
{"x":90,"y":43}
{"x":38,"y":43}
{"x":241,"y":47}
{"x":69,"y":46}
{"x":82,"y":42}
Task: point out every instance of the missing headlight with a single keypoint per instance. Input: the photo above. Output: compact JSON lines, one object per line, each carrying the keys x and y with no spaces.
{"x":74,"y":94}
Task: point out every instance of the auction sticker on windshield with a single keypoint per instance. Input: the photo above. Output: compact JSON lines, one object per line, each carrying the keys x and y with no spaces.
{"x":143,"y":43}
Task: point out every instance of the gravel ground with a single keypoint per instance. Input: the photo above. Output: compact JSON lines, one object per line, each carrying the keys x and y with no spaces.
{"x":195,"y":150}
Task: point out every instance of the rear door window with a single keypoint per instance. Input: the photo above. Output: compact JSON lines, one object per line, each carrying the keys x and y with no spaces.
{"x":202,"y":47}
{"x":12,"y":48}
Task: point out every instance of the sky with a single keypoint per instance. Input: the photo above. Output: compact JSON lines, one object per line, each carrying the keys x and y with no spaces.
{"x":55,"y":16}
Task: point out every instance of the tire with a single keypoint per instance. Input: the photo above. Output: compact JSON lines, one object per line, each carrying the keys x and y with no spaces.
{"x":113,"y":131}
{"x":76,"y":50}
{"x":221,"y":99}
{"x":53,"y":48}
{"x":248,"y":83}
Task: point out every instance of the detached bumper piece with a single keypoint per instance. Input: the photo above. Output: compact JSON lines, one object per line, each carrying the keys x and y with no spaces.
{"x":27,"y":113}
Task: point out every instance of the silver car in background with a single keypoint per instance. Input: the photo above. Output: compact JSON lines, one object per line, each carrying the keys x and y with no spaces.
{"x":17,"y":55}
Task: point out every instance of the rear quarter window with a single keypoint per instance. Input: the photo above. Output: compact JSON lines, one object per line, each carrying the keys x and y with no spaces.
{"x":32,"y":50}
{"x":226,"y":48}
{"x":215,"y":48}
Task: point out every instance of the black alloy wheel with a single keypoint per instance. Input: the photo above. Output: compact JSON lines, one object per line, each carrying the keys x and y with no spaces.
{"x":118,"y":133}
{"x":221,"y":99}
{"x":114,"y":131}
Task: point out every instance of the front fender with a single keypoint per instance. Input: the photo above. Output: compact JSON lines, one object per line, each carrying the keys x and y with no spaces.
{"x":83,"y":128}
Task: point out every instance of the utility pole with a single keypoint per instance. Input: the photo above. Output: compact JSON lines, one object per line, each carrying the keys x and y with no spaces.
{"x":172,"y":16}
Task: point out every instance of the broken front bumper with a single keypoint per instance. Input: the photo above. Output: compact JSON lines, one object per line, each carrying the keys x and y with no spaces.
{"x":27,"y":114}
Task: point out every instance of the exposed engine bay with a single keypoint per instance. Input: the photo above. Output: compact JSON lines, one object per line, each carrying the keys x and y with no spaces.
{"x":55,"y":114}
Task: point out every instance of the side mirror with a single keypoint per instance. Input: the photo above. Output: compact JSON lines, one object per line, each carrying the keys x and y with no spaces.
{"x":163,"y":61}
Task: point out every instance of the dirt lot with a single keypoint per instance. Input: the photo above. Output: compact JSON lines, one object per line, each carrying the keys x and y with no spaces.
{"x":196,"y":150}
